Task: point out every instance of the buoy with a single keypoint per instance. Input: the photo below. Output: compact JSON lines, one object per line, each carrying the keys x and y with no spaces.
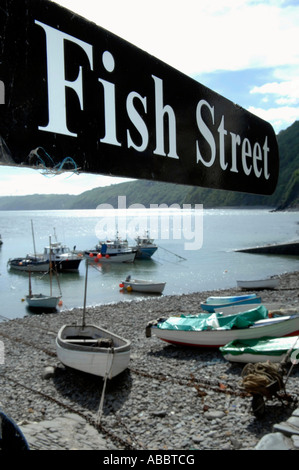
{"x":121,"y":285}
{"x":129,"y":288}
{"x":91,"y":255}
{"x":107,"y":256}
{"x":22,"y":300}
{"x":99,"y":255}
{"x":60,"y":303}
{"x":96,"y":259}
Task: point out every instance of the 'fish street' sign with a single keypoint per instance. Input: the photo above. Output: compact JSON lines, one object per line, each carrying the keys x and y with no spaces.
{"x":81,"y":93}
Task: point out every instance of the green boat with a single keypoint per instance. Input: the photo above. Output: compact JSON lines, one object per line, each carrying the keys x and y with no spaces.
{"x":262,"y":350}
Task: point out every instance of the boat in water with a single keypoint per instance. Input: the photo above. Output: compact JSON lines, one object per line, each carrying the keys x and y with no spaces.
{"x":63,"y":258}
{"x":48,"y":302}
{"x":270,"y":283}
{"x":29,"y":263}
{"x":141,"y":285}
{"x":216,"y":330}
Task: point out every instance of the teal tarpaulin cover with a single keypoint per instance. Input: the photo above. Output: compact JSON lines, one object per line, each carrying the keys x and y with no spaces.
{"x":212,"y":321}
{"x":266,"y":346}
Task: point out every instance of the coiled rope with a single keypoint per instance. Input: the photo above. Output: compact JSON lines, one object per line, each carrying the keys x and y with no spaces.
{"x":263,"y":378}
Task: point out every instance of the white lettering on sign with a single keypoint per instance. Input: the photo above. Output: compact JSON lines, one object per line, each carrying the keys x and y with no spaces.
{"x":56,"y":78}
{"x":243,"y":155}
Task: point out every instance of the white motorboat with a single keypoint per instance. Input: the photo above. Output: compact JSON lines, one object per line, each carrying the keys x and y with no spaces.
{"x":63,"y":259}
{"x":42,"y":301}
{"x":140,"y":285}
{"x":29,"y":263}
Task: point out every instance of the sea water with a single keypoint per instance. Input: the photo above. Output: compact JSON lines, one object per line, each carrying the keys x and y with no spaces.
{"x":196,"y":251}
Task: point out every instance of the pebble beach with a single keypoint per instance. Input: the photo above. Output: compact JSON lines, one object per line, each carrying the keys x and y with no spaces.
{"x":170,"y":398}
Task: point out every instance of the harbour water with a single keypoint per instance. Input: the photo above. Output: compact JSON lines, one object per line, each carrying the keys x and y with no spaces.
{"x":196,"y":251}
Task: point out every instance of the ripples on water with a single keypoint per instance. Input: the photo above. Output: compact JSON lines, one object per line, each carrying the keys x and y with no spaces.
{"x":211,"y":263}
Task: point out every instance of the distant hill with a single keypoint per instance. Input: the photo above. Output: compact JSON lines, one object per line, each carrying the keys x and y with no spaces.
{"x":286,"y":195}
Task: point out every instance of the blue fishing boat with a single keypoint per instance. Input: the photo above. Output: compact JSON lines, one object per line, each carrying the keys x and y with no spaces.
{"x":145,"y":247}
{"x":262,"y":350}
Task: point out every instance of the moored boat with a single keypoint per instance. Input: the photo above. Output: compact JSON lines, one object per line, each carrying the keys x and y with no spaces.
{"x":216,"y":330}
{"x":141,"y":285}
{"x":145,"y":247}
{"x":91,"y":348}
{"x":43,"y":301}
{"x":262,"y":350}
{"x":63,"y":258}
{"x":29,"y":263}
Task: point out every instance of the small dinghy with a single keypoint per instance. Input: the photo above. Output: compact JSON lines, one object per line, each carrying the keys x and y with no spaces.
{"x":92,"y":349}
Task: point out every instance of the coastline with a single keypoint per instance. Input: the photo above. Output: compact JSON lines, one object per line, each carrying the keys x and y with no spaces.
{"x":169,"y":398}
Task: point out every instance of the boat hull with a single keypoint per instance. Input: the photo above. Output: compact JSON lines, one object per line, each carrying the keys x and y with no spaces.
{"x":277,"y":327}
{"x":77,"y":347}
{"x":145,"y":252}
{"x":67,"y":265}
{"x":40,"y":301}
{"x":214,"y":303}
{"x":111,"y":258}
{"x":262,"y":350}
{"x":144,"y":286}
{"x":24,"y":264}
{"x":259,"y":284}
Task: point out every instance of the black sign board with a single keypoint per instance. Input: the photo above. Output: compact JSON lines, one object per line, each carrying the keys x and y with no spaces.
{"x":87,"y":96}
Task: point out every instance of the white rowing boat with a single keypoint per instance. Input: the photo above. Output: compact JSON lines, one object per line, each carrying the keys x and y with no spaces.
{"x":140,"y":285}
{"x":93,"y":350}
